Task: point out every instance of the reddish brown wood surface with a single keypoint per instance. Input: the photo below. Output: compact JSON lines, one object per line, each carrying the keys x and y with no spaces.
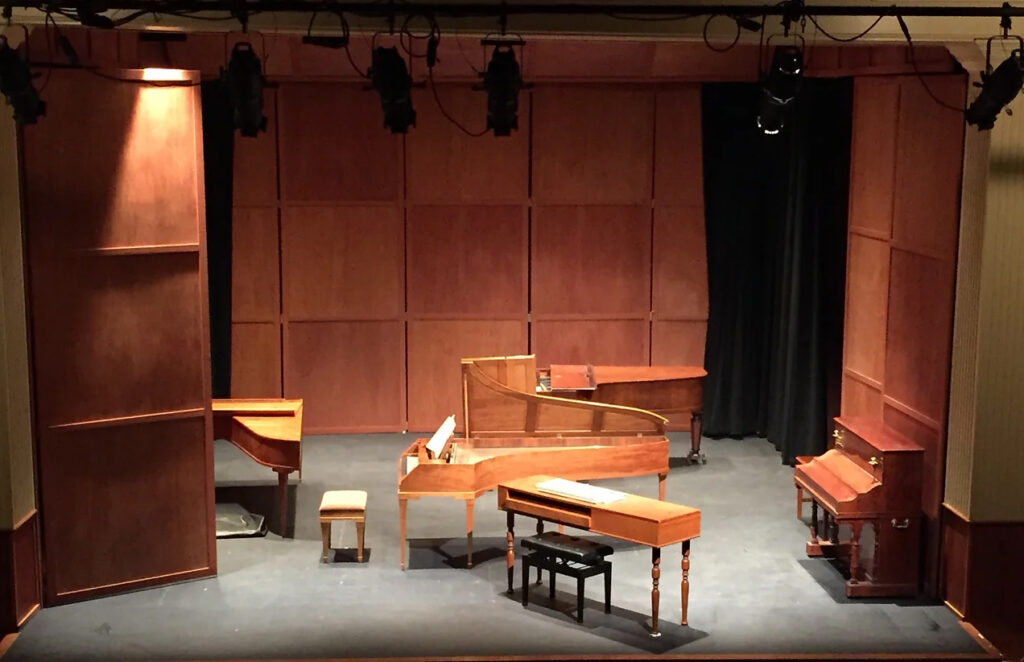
{"x":597,"y":153}
{"x":351,"y":375}
{"x":255,"y":287}
{"x":613,"y":342}
{"x":904,"y":210}
{"x":467,"y":261}
{"x":255,"y":161}
{"x":256,"y":360}
{"x":114,"y":214}
{"x":435,"y":349}
{"x":20,"y":586}
{"x":342,"y":262}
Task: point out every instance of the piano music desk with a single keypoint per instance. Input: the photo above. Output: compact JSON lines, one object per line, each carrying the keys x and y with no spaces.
{"x":635,"y":518}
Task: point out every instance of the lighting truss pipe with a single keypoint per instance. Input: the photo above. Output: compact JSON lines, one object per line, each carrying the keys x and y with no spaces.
{"x":455,"y":9}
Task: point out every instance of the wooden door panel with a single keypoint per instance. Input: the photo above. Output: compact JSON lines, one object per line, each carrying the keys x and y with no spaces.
{"x":597,"y":342}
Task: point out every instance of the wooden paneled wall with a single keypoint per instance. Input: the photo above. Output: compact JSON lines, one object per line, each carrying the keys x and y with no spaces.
{"x":903,"y":230}
{"x":366,"y":264}
{"x":117,"y":273}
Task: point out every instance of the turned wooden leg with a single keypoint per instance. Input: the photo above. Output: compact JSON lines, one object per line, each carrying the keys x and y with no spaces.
{"x":814,"y":522}
{"x":325,"y":533}
{"x":402,"y":507}
{"x":799,"y":503}
{"x":469,"y":532}
{"x":833,"y":530}
{"x":684,"y":586}
{"x":282,"y":501}
{"x":661,"y":486}
{"x":360,"y":531}
{"x":855,"y":553}
{"x":655,"y":594}
{"x":510,"y":550}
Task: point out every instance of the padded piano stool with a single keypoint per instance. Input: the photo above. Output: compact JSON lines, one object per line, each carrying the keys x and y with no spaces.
{"x":343,"y":505}
{"x":568,"y":555}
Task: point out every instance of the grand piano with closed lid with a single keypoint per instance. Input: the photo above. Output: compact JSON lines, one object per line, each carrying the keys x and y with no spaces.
{"x":269,"y":430}
{"x":511,"y":432}
{"x":870,"y":478}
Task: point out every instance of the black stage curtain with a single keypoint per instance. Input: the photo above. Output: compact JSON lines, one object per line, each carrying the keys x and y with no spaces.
{"x":776,"y":212}
{"x":218,"y":155}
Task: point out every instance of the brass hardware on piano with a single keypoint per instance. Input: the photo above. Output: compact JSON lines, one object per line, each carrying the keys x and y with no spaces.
{"x":887,"y":498}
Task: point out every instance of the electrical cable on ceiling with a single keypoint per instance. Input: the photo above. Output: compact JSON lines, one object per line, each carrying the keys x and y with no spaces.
{"x":845,"y":40}
{"x":447,"y":116}
{"x":735,"y":40}
{"x":917,"y":71}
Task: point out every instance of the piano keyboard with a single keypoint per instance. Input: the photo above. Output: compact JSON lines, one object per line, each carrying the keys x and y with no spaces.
{"x":581,"y":491}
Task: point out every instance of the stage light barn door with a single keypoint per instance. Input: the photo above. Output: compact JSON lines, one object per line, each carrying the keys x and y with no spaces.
{"x":117,"y":266}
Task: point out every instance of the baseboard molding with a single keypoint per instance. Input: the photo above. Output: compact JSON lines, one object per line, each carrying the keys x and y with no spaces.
{"x":19,"y":573}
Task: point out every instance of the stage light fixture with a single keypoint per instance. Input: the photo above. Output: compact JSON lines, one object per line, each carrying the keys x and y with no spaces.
{"x":779,"y":88}
{"x":998,"y":88}
{"x":391,"y":79}
{"x":244,"y":78}
{"x":16,"y":85}
{"x":502,"y":81}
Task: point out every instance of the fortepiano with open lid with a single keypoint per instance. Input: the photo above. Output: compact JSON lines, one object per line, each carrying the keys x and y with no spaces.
{"x":871,"y":477}
{"x":512,"y":432}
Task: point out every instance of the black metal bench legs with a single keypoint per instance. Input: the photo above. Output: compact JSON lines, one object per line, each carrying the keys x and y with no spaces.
{"x":579,"y":570}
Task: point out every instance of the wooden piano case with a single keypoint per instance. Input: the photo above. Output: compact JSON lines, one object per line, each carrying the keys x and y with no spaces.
{"x":869,"y":480}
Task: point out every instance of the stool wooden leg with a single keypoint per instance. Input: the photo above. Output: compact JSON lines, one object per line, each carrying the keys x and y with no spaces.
{"x":526,"y":581}
{"x":325,"y":533}
{"x":799,"y":503}
{"x":607,"y":587}
{"x":579,"y":599}
{"x":540,"y":571}
{"x":360,"y":531}
{"x":469,"y":532}
{"x":684,"y":583}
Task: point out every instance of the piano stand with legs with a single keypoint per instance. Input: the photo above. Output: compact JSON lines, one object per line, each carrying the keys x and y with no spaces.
{"x":650,"y":522}
{"x":871,"y":478}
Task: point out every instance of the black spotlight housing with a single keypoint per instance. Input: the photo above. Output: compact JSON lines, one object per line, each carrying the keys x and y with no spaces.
{"x":391,"y":79}
{"x":16,"y":85}
{"x":779,"y":88}
{"x":502,"y":81}
{"x":244,"y":77}
{"x":998,"y":88}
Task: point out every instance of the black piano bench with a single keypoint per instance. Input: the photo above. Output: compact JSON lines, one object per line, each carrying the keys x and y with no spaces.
{"x":568,"y":555}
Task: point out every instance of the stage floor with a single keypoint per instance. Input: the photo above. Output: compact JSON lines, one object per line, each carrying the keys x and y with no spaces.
{"x":752,"y":588}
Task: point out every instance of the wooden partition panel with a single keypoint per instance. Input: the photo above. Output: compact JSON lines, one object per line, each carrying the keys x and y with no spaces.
{"x":904,"y":214}
{"x":437,"y":245}
{"x":117,"y":265}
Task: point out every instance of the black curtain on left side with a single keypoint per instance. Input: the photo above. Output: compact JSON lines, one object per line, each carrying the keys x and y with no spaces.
{"x":776,"y":213}
{"x":218,"y":156}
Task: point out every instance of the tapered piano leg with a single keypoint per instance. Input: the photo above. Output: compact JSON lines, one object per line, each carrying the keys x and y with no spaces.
{"x":696,"y":429}
{"x":655,"y":594}
{"x":403,"y":505}
{"x":510,"y":551}
{"x":814,"y":522}
{"x":855,"y":552}
{"x":661,"y":486}
{"x":282,"y":501}
{"x":469,"y":532}
{"x":684,"y":587}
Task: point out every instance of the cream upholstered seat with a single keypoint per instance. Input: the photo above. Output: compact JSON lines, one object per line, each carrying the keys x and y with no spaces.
{"x":343,"y":500}
{"x":343,"y":505}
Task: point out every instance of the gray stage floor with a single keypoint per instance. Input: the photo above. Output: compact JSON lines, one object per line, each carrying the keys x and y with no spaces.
{"x":753,"y":590}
